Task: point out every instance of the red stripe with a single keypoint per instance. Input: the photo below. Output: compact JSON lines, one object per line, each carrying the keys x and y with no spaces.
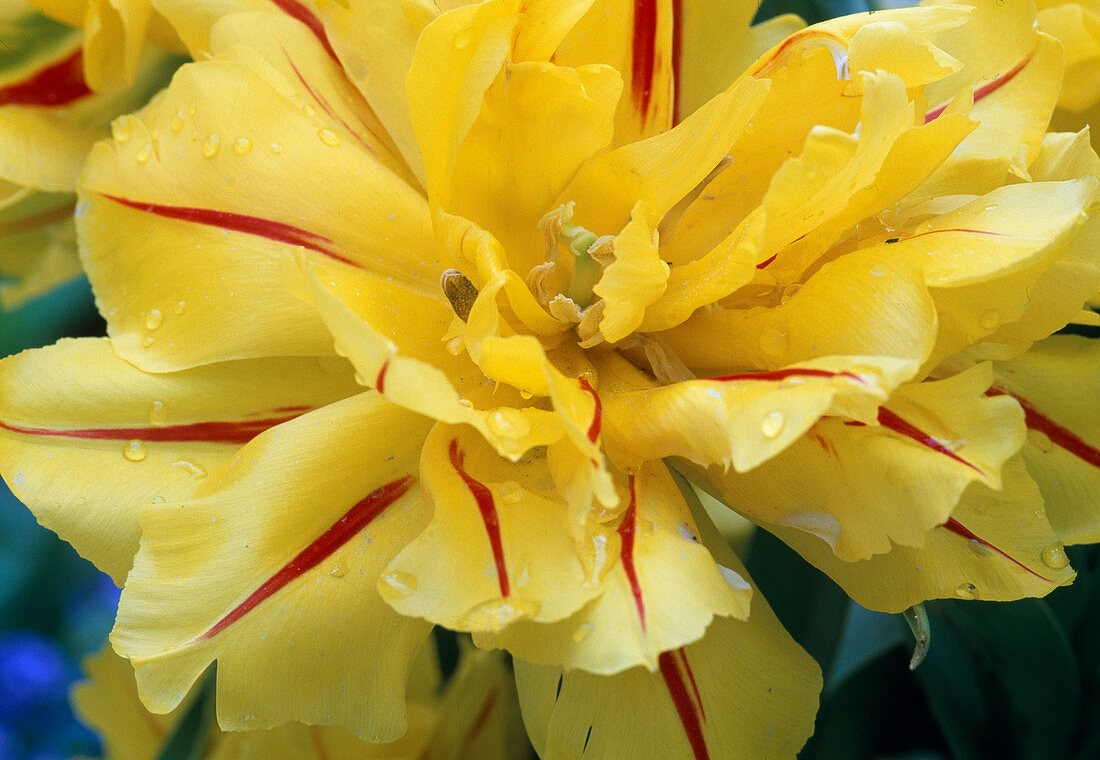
{"x":677,"y":56}
{"x":1057,"y":434}
{"x":888,"y":419}
{"x":986,"y":89}
{"x":209,"y":432}
{"x":294,"y":9}
{"x":597,"y":413}
{"x":250,"y":225}
{"x":691,"y":676}
{"x":342,"y":531}
{"x":484,"y":498}
{"x":644,"y":54}
{"x":479,"y":720}
{"x":627,"y":529}
{"x":55,"y":85}
{"x":685,"y":708}
{"x":767,"y":261}
{"x":783,"y":374}
{"x":959,"y":229}
{"x":958,"y":528}
{"x":327,"y":107}
{"x":380,"y":381}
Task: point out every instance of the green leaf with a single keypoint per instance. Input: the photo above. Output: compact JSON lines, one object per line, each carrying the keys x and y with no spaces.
{"x":189,"y":736}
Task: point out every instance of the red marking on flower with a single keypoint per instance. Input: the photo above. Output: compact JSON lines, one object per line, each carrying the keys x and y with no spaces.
{"x":956,"y":229}
{"x":783,"y":374}
{"x":296,"y":10}
{"x":1058,"y":435}
{"x":338,"y":534}
{"x":327,"y":107}
{"x":484,"y":498}
{"x":56,"y":85}
{"x":685,"y":708}
{"x":380,"y":381}
{"x":958,"y":528}
{"x":627,"y":530}
{"x":479,"y":720}
{"x":291,"y":408}
{"x":644,"y":54}
{"x":691,"y":676}
{"x":597,"y":413}
{"x":208,"y":432}
{"x":890,"y":420}
{"x":986,"y":89}
{"x":766,"y":261}
{"x":677,"y":56}
{"x":250,"y":225}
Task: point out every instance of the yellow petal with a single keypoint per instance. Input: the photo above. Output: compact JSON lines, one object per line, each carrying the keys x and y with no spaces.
{"x":635,"y":279}
{"x":740,"y":420}
{"x":643,"y":609}
{"x":127,"y":439}
{"x":37,"y":245}
{"x":498,"y":548}
{"x":995,"y":546}
{"x":271,"y":568}
{"x":223,"y":201}
{"x":864,"y":488}
{"x":1078,"y":29}
{"x":1055,"y":383}
{"x":744,"y":691}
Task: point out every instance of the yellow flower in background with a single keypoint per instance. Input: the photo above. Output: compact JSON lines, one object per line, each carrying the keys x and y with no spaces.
{"x":563,"y":244}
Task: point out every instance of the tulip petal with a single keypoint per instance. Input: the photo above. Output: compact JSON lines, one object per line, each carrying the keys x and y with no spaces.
{"x":295,"y":554}
{"x":1056,"y":384}
{"x":635,"y":279}
{"x":993,"y":547}
{"x":37,"y":245}
{"x":127,"y":439}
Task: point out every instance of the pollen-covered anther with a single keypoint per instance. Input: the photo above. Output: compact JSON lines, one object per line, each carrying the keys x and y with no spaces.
{"x":459,"y":291}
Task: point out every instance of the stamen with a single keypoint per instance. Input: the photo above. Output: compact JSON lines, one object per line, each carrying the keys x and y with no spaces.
{"x":663,"y":361}
{"x":459,"y":291}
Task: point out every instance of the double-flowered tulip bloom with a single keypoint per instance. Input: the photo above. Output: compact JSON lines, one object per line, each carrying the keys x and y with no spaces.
{"x":438,"y":316}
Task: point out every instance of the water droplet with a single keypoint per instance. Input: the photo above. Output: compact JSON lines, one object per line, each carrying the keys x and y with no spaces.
{"x":210,"y":145}
{"x":1054,"y":557}
{"x":242,"y":145}
{"x":157,"y":500}
{"x":134,"y":451}
{"x":310,"y":110}
{"x":524,"y":577}
{"x":275,"y":147}
{"x":463,"y":38}
{"x":176,"y":122}
{"x":158,"y":414}
{"x":966,"y":591}
{"x":582,"y":631}
{"x":179,"y":307}
{"x":979,"y":548}
{"x":526,"y":395}
{"x":772,"y":424}
{"x":990,"y":320}
{"x":147,"y":341}
{"x":339,"y":569}
{"x":153,"y":319}
{"x":145,"y":152}
{"x":878,"y":270}
{"x":466,"y":403}
{"x":510,"y":492}
{"x":400,"y":584}
{"x":500,"y":613}
{"x":120,"y":129}
{"x":509,"y":423}
{"x":328,"y":137}
{"x":191,"y":108}
{"x":192,"y":469}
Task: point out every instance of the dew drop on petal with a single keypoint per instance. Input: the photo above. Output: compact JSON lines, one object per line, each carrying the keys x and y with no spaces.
{"x":328,"y":137}
{"x":153,"y":319}
{"x":338,"y":569}
{"x":147,"y":341}
{"x":176,"y":122}
{"x":509,"y":423}
{"x":276,"y":147}
{"x":158,"y":414}
{"x":510,"y":492}
{"x":309,"y":110}
{"x":990,"y":320}
{"x":966,"y":591}
{"x":773,"y":423}
{"x":1054,"y":557}
{"x":190,"y":468}
{"x":582,"y":631}
{"x":878,"y":270}
{"x":210,"y":145}
{"x":134,"y":451}
{"x":179,"y":307}
{"x":242,"y":145}
{"x":145,"y":152}
{"x":462,"y":39}
{"x":399,"y":583}
{"x":120,"y":129}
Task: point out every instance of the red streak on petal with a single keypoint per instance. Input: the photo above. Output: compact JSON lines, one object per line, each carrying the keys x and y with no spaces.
{"x":888,"y":419}
{"x":644,"y":54}
{"x":959,"y":229}
{"x":484,"y":498}
{"x":380,"y":381}
{"x":691,"y":676}
{"x":988,"y":88}
{"x":250,"y":225}
{"x":685,"y":708}
{"x":597,"y":414}
{"x":479,"y":720}
{"x":1057,"y":434}
{"x":677,"y":56}
{"x":296,"y":10}
{"x":208,"y":432}
{"x":627,"y":529}
{"x":55,"y":85}
{"x":783,"y":374}
{"x":327,"y":107}
{"x":291,"y":408}
{"x":766,"y":261}
{"x":958,"y":528}
{"x":342,"y":531}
